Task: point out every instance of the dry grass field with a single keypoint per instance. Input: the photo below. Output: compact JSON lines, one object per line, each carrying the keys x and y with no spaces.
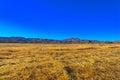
{"x":59,"y":61}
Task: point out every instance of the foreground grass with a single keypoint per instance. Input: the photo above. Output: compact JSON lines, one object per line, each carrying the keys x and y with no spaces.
{"x":59,"y":61}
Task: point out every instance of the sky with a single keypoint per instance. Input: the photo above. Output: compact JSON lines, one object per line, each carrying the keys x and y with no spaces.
{"x":60,"y":19}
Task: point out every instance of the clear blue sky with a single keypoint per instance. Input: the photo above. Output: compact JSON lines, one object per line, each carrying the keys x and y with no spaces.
{"x":59,"y":19}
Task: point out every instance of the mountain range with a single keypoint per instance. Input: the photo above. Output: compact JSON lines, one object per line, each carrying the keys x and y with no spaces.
{"x":40,"y":40}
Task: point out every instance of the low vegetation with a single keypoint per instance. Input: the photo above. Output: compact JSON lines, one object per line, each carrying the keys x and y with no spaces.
{"x":59,"y":61}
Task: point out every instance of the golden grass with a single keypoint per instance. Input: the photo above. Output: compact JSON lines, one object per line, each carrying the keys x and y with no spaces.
{"x":59,"y":61}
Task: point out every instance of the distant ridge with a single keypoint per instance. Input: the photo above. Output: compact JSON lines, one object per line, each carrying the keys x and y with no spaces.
{"x":40,"y":40}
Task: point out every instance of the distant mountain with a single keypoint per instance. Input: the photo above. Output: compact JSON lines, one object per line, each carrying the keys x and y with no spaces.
{"x":39,"y":40}
{"x":25,"y":40}
{"x":77,"y":40}
{"x":72,"y":40}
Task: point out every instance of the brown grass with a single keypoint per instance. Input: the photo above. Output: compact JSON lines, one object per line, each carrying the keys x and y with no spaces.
{"x":59,"y":61}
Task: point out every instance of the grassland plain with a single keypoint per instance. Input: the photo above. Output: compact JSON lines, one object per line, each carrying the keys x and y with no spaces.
{"x":59,"y":61}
